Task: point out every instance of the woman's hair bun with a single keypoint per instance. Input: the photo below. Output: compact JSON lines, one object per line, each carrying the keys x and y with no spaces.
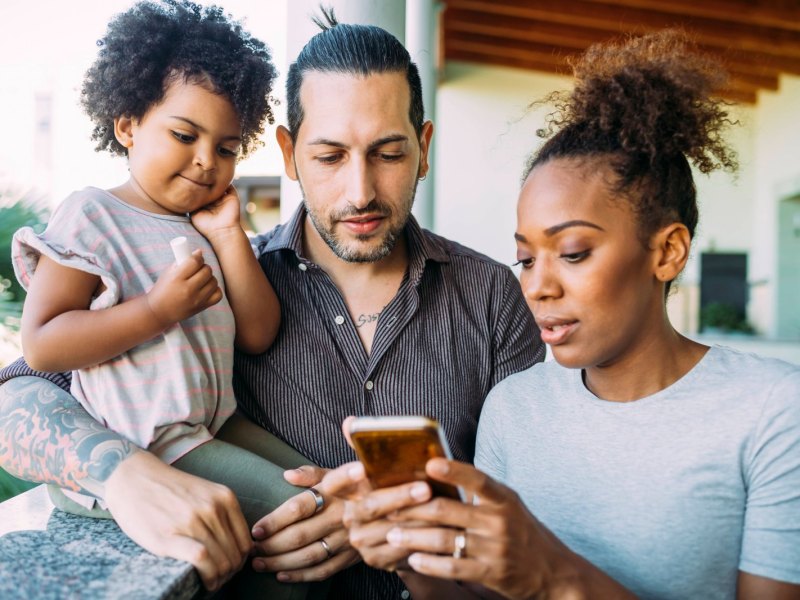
{"x":651,"y":97}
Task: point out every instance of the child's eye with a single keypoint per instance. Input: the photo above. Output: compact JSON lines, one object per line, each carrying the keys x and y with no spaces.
{"x":576,"y":257}
{"x":183,"y":137}
{"x":526,"y":263}
{"x":223,"y":151}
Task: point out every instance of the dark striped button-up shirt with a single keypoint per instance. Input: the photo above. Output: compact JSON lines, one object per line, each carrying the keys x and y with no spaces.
{"x":457,"y":326}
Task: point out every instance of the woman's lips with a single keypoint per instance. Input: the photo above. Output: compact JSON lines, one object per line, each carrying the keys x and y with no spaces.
{"x":555,"y":333}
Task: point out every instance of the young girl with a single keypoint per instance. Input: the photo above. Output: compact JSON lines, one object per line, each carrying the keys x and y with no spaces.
{"x":643,"y":463}
{"x":183,"y":93}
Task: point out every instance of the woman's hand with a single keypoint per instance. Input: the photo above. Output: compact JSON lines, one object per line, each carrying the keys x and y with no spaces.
{"x":366,"y":513}
{"x":496,"y":542}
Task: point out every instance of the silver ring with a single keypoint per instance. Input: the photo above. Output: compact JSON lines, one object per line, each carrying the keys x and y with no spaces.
{"x":325,"y":545}
{"x":319,"y":501}
{"x":460,"y":545}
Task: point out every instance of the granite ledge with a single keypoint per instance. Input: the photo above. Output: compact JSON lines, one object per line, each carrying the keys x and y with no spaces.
{"x":49,"y":555}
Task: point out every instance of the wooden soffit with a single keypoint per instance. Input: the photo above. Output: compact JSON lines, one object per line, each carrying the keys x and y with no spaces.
{"x":756,"y":40}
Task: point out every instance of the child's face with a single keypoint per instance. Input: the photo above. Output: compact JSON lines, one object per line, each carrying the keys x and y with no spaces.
{"x":182,"y":153}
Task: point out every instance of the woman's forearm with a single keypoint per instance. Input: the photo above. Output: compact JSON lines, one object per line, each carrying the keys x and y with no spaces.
{"x":46,"y":436}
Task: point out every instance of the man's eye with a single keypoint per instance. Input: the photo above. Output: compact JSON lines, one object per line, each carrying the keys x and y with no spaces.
{"x":183,"y":137}
{"x":389,"y":157}
{"x":329,"y":159}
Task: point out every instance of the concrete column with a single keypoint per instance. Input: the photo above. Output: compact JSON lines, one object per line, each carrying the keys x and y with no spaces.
{"x":422,"y":18}
{"x":388,"y":14}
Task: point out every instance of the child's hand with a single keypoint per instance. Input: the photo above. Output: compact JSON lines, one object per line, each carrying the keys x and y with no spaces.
{"x":218,"y":216}
{"x":184,"y":290}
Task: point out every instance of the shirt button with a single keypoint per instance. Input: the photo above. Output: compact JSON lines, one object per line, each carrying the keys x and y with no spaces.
{"x":405,"y":594}
{"x":369,"y":385}
{"x":339,"y":319}
{"x":302,"y":266}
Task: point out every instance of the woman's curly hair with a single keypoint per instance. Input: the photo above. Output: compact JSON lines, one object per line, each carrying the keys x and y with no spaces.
{"x":155,"y":43}
{"x":648,"y":104}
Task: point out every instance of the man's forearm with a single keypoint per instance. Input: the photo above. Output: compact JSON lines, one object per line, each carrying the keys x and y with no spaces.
{"x":46,"y":436}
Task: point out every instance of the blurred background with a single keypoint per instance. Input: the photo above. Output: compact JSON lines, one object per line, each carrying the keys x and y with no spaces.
{"x":482,"y":64}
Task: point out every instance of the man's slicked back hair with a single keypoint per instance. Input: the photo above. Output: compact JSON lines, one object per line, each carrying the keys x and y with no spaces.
{"x":360,"y":50}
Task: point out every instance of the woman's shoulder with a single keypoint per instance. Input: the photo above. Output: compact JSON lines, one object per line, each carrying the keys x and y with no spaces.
{"x":541,"y":381}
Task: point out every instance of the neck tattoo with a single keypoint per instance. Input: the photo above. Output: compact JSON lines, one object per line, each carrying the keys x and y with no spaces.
{"x":365,"y":319}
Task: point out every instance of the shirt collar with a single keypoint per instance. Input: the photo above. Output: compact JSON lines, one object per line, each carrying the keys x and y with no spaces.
{"x":421,"y":247}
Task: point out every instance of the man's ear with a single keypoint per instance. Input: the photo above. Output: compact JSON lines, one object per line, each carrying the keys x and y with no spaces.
{"x":671,"y":246}
{"x":424,"y":147}
{"x":123,"y":131}
{"x":287,"y":149}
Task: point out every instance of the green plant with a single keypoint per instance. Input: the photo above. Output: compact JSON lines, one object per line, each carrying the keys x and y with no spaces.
{"x":725,"y":317}
{"x":17,"y":209}
{"x":11,"y":486}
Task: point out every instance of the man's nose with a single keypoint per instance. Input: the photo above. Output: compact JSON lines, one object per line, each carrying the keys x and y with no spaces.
{"x":360,"y":185}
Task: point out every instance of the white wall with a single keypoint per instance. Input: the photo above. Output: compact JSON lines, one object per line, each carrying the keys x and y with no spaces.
{"x":484,"y":132}
{"x":777,"y":167}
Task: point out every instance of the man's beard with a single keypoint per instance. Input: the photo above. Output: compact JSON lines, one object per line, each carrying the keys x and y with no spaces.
{"x":353,"y":255}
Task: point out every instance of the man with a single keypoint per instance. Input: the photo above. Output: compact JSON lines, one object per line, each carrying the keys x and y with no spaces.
{"x":379,"y":317}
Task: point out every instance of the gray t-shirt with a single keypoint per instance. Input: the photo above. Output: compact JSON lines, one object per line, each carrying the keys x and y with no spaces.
{"x":670,"y":495}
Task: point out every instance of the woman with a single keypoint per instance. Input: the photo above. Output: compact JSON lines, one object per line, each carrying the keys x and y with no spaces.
{"x":644,"y":463}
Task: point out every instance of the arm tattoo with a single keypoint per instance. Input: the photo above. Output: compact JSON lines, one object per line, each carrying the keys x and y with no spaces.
{"x":47,"y":436}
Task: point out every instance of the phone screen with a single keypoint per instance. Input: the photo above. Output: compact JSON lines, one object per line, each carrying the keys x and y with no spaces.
{"x":394,"y":450}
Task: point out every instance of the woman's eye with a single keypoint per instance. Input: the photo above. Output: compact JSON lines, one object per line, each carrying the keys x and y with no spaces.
{"x":183,"y":137}
{"x":575,"y":257}
{"x":526,"y":263}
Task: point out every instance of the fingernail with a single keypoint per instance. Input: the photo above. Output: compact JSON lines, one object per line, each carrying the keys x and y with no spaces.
{"x":258,"y":565}
{"x":356,"y":471}
{"x":419,"y":491}
{"x":283,"y":577}
{"x":395,"y":536}
{"x":441,"y":466}
{"x":415,"y":561}
{"x":258,"y":533}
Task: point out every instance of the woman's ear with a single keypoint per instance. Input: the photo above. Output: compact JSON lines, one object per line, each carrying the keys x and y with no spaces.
{"x":123,"y":131}
{"x":671,"y":246}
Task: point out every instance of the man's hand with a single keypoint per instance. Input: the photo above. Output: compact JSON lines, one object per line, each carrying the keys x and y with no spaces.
{"x":171,"y":513}
{"x":289,"y":540}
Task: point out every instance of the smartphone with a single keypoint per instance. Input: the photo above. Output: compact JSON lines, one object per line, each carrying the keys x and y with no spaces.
{"x":394,"y":450}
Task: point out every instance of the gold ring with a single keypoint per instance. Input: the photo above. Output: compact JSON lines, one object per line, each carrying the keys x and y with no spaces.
{"x":319,"y":501}
{"x":460,"y":545}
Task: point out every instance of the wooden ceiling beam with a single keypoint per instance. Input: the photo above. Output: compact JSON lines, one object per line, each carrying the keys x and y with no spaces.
{"x":579,"y":38}
{"x":615,"y":19}
{"x":783,"y":15}
{"x":748,"y":68}
{"x":740,"y":89}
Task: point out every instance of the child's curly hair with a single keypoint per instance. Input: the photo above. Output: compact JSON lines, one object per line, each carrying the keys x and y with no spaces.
{"x":647,"y":103}
{"x":156,"y":42}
